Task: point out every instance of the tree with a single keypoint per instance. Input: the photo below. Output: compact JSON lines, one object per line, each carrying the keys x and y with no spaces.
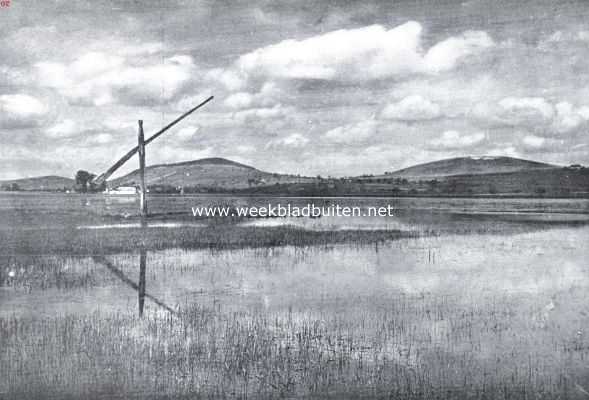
{"x":83,"y":179}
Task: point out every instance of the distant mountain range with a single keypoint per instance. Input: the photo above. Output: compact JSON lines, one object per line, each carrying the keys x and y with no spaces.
{"x":463,"y":176}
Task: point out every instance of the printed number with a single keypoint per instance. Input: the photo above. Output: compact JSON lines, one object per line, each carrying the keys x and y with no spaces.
{"x":4,"y":3}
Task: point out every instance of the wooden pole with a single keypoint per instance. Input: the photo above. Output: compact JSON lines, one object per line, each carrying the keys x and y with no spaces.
{"x":142,"y":188}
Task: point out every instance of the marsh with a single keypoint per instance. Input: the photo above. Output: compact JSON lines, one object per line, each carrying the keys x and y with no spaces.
{"x":446,"y":299}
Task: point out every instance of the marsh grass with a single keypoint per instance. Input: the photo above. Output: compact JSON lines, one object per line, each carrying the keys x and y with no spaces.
{"x":417,"y":348}
{"x":351,"y":343}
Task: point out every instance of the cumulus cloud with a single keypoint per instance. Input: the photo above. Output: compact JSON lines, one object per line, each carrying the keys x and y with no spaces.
{"x":569,"y":117}
{"x":516,"y":111}
{"x":268,"y":96}
{"x":533,"y":143}
{"x":444,"y":55}
{"x":346,"y":160}
{"x":534,"y":113}
{"x":239,"y":100}
{"x":451,"y":140}
{"x":99,"y":139}
{"x":411,"y":108}
{"x":98,"y":78}
{"x":295,"y":140}
{"x":361,"y":54}
{"x":507,"y":150}
{"x":62,"y":129}
{"x":352,"y":133}
{"x":230,"y":79}
{"x":263,"y":113}
{"x":245,"y":148}
{"x":21,"y":111}
{"x":527,"y":108}
{"x":563,"y":37}
{"x":169,"y":153}
{"x":187,"y":133}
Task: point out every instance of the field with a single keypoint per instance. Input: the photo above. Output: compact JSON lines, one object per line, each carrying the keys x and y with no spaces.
{"x":448,"y":299}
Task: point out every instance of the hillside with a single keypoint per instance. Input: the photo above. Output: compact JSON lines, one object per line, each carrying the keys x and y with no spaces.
{"x":469,"y":166}
{"x":465,"y":176}
{"x":41,"y":183}
{"x":205,"y":173}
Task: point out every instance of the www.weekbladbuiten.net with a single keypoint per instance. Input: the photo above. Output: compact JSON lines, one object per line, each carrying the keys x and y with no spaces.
{"x":279,"y":210}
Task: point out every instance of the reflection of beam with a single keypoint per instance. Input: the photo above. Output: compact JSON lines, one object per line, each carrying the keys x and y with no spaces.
{"x":121,"y":275}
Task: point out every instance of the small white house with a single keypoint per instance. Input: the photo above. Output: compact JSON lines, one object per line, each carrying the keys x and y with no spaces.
{"x":122,"y":190}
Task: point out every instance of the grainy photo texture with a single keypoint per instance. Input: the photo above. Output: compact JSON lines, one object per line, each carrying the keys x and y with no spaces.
{"x":294,"y":199}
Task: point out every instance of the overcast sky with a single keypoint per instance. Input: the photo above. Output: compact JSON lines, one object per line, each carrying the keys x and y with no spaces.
{"x":309,"y":87}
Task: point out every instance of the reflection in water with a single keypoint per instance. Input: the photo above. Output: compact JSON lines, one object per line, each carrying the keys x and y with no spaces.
{"x":142,"y":259}
{"x":140,"y":288}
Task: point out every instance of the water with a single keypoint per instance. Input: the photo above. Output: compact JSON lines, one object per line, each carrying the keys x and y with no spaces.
{"x":485,"y":292}
{"x":519,"y":245}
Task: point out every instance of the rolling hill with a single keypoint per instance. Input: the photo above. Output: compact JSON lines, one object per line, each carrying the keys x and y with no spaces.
{"x":208,"y":172}
{"x":482,"y":176}
{"x":470,"y":166}
{"x":48,"y":183}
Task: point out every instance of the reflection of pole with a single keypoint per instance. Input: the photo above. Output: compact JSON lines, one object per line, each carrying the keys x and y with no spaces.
{"x":120,"y":274}
{"x":141,"y":152}
{"x":141,"y":289}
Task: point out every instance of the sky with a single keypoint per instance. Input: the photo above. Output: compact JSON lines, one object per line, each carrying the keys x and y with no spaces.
{"x":336,"y":88}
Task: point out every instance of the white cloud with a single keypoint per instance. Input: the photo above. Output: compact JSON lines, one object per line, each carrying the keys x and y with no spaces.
{"x":508,"y":150}
{"x":559,"y":37}
{"x":530,"y":112}
{"x":528,"y":108}
{"x":21,"y":111}
{"x":354,"y":160}
{"x":245,"y":148}
{"x":187,"y":132}
{"x":230,"y":79}
{"x":295,"y":140}
{"x":97,"y":78}
{"x":569,"y":118}
{"x":352,"y":133}
{"x":367,"y":53}
{"x":263,"y":113}
{"x":65,"y":128}
{"x":445,"y":55}
{"x":411,"y":108}
{"x":268,"y":96}
{"x":166,"y":153}
{"x":454,"y":140}
{"x":534,"y":113}
{"x":533,"y":141}
{"x":239,"y":100}
{"x":101,"y":138}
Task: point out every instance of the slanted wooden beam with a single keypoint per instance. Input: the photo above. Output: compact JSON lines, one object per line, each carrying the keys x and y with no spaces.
{"x":105,"y":175}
